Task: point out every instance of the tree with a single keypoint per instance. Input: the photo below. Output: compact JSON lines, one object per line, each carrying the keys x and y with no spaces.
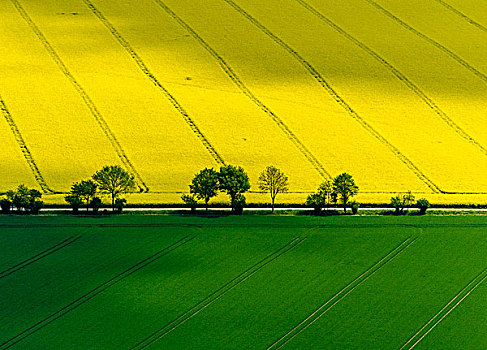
{"x":74,"y":201}
{"x":26,"y":199}
{"x":190,"y":201}
{"x":234,"y":181}
{"x":113,"y":181}
{"x":423,"y":205}
{"x":85,"y":190}
{"x":325,"y":191}
{"x":5,"y":205}
{"x":316,"y":202}
{"x":344,"y":187}
{"x":400,"y":202}
{"x":408,"y":199}
{"x":120,"y":204}
{"x":396,"y":202}
{"x":205,"y":185}
{"x":273,"y":181}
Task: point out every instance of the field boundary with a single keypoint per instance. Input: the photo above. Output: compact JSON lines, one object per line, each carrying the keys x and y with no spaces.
{"x":399,"y":75}
{"x":339,"y":99}
{"x":446,"y":310}
{"x":39,"y":256}
{"x":145,"y":70}
{"x":93,"y":293}
{"x":462,"y":15}
{"x":84,"y":96}
{"x":24,"y":149}
{"x":230,"y":73}
{"x":433,"y":42}
{"x":219,"y":293}
{"x":341,"y":294}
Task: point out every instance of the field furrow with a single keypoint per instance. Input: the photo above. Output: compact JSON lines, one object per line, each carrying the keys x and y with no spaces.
{"x":399,"y":75}
{"x":445,"y":311}
{"x":92,"y":293}
{"x":252,"y":69}
{"x":434,"y":271}
{"x":398,"y":113}
{"x":430,"y":40}
{"x":462,"y":15}
{"x":23,"y":147}
{"x":219,"y":293}
{"x":342,"y":293}
{"x":143,"y":67}
{"x":243,"y":88}
{"x":38,"y":256}
{"x":339,"y":99}
{"x":83,"y":94}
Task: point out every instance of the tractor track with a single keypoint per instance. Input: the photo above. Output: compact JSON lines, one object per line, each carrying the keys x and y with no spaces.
{"x":462,"y":15}
{"x":23,"y":147}
{"x":216,"y":295}
{"x":146,"y":71}
{"x":84,"y":96}
{"x":436,"y":44}
{"x":399,"y":75}
{"x":246,"y":91}
{"x":92,"y":293}
{"x":315,"y":315}
{"x":338,"y":99}
{"x":39,"y":256}
{"x":445,"y":311}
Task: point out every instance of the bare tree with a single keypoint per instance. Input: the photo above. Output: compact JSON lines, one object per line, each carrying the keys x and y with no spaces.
{"x":273,"y":181}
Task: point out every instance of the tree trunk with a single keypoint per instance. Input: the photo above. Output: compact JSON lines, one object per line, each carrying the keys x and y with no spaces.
{"x":344,"y":205}
{"x":206,"y":203}
{"x":273,"y":199}
{"x":113,"y":202}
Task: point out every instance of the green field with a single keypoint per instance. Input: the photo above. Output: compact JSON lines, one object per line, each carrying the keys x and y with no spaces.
{"x":251,"y":282}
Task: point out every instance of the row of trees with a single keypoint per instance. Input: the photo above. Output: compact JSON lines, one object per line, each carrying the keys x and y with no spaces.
{"x":206,"y":184}
{"x":114,"y":182}
{"x":402,"y":203}
{"x":111,"y":181}
{"x":23,"y":199}
{"x":235,"y":182}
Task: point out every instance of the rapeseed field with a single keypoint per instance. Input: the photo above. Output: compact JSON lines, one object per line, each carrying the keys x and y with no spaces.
{"x":392,"y":92}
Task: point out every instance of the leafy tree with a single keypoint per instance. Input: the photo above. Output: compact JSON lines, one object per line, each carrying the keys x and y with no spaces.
{"x":96,"y":204}
{"x":205,"y":185}
{"x":400,"y":202}
{"x":239,"y":203}
{"x":5,"y":205}
{"x":120,"y":204}
{"x":397,"y":203}
{"x":85,"y":190}
{"x":423,"y":205}
{"x":325,"y":191}
{"x":344,"y":188}
{"x":323,"y":197}
{"x":316,"y":202}
{"x":26,"y":199}
{"x":234,"y":181}
{"x":354,"y":205}
{"x":113,"y":181}
{"x":74,"y":201}
{"x":190,"y":201}
{"x":273,"y":181}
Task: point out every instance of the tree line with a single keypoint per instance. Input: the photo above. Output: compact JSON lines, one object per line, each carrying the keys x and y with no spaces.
{"x":113,"y":182}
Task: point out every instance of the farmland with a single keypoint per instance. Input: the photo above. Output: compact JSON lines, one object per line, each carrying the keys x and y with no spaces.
{"x":255,"y":282}
{"x":392,"y":92}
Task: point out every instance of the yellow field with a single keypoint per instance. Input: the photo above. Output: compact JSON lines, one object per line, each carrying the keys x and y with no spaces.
{"x":393,"y":92}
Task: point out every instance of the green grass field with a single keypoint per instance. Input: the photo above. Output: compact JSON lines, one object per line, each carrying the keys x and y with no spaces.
{"x":251,"y":282}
